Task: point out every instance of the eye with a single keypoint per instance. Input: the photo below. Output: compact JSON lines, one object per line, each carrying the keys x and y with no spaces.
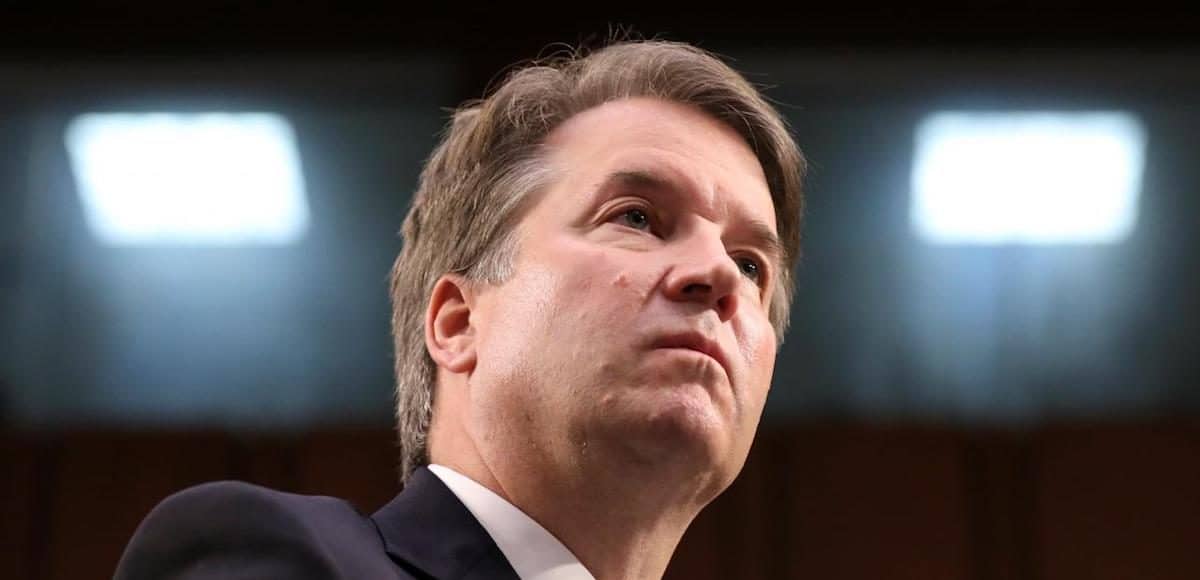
{"x":635,"y":218}
{"x":750,"y":268}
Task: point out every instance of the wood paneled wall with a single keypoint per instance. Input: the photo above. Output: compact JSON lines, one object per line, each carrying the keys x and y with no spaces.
{"x":824,"y":501}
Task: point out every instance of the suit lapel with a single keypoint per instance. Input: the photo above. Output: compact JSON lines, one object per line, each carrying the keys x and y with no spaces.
{"x":427,"y":528}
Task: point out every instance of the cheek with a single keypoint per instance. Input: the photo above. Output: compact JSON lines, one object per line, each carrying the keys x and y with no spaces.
{"x":567,"y":303}
{"x":598,"y":285}
{"x":756,"y":341}
{"x":511,"y":322}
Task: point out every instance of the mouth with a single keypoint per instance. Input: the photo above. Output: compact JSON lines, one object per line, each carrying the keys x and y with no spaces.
{"x":696,"y":342}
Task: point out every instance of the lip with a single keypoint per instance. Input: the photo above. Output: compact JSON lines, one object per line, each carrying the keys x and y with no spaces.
{"x":695,"y":341}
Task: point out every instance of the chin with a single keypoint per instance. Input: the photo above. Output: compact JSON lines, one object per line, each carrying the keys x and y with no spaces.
{"x":677,"y":426}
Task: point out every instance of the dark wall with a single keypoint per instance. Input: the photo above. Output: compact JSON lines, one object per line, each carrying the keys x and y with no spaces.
{"x":1063,"y":502}
{"x":887,"y":324}
{"x":884,"y":324}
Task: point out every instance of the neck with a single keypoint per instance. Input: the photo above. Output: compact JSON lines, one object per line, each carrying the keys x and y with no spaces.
{"x":621,"y":514}
{"x":622,"y":529}
{"x":621,"y":523}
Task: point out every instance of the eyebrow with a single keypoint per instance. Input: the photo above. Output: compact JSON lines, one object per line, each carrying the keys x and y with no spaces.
{"x":640,"y":179}
{"x":760,"y":233}
{"x":761,"y":236}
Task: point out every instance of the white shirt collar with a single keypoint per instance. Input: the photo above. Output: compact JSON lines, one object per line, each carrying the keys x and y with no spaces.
{"x":534,"y":553}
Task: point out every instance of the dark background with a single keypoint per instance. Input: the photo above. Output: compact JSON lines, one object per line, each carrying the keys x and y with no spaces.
{"x":937,"y":412}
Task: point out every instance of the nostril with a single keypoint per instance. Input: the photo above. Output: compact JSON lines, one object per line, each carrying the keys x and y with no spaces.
{"x":726,"y":306}
{"x":697,"y":289}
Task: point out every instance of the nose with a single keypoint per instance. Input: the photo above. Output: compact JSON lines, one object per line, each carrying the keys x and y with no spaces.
{"x":703,"y":272}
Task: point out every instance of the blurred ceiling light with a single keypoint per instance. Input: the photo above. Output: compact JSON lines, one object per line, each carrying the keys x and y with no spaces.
{"x":1027,"y":177}
{"x":175,"y":178}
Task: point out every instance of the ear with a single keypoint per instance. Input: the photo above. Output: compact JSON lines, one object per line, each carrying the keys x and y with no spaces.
{"x":448,"y":332}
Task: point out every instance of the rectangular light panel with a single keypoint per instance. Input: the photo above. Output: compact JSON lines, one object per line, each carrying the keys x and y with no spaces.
{"x":195,"y":178}
{"x":1026,"y":177}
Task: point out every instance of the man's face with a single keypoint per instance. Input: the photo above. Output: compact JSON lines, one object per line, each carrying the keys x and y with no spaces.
{"x":635,"y":322}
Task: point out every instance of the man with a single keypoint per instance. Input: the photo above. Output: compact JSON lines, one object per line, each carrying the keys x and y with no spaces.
{"x":595,"y":279}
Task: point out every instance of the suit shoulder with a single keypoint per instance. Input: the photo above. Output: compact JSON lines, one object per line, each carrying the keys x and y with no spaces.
{"x":233,"y":529}
{"x":231,"y":497}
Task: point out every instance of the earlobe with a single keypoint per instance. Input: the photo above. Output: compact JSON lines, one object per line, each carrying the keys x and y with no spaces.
{"x":448,"y":332}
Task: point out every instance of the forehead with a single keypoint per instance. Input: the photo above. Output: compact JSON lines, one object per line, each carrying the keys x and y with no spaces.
{"x":676,"y":144}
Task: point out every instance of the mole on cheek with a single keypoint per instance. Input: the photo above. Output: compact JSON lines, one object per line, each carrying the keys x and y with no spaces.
{"x":625,"y":281}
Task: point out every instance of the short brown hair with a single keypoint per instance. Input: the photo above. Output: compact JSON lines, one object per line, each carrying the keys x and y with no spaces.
{"x":474,"y":186}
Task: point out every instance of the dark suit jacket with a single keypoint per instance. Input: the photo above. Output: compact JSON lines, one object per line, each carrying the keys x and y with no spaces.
{"x":236,"y":530}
